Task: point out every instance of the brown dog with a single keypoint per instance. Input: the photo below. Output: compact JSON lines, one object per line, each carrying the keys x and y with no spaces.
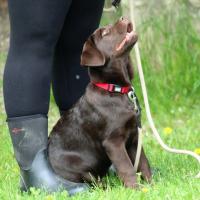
{"x":101,"y":128}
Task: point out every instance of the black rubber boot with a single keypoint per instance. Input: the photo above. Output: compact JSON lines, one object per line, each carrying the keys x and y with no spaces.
{"x":30,"y":139}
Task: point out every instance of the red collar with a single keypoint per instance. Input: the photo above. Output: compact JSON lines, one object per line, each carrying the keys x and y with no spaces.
{"x":113,"y":88}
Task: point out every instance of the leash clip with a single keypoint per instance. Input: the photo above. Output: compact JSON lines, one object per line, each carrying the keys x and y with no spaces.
{"x":132,"y":97}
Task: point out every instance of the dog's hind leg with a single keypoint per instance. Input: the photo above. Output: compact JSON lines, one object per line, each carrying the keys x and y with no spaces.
{"x":143,"y":166}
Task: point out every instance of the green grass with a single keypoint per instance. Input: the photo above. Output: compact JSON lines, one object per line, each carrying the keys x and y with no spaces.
{"x":170,"y":49}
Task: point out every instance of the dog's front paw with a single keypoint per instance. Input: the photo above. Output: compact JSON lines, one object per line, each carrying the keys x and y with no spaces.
{"x":131,"y":182}
{"x":132,"y":185}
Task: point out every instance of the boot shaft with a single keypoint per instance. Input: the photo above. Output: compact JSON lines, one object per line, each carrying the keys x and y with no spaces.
{"x":29,"y":136}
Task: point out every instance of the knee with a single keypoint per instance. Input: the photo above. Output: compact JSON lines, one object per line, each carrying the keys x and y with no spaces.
{"x":33,"y":41}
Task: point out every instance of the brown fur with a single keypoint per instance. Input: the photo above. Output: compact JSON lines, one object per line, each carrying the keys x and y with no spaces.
{"x":101,"y":128}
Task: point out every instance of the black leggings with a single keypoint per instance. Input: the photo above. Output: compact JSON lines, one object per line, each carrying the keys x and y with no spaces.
{"x":46,"y":41}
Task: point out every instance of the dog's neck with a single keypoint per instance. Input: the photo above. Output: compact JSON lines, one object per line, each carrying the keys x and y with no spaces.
{"x":115,"y":71}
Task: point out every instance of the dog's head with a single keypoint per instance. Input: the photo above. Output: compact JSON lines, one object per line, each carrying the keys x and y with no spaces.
{"x":109,"y":42}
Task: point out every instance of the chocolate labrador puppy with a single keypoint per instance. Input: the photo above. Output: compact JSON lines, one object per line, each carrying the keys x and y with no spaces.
{"x":101,"y":128}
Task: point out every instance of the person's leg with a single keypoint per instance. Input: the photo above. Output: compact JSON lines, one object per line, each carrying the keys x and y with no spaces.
{"x":35,"y":29}
{"x":69,"y":78}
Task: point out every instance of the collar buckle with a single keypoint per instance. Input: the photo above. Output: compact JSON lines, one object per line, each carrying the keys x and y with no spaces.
{"x":117,"y":88}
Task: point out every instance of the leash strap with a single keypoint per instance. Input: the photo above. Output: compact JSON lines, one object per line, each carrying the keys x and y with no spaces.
{"x":139,"y":149}
{"x":146,"y":103}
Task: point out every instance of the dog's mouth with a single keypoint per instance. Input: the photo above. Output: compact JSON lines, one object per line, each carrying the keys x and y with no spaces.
{"x":129,"y":39}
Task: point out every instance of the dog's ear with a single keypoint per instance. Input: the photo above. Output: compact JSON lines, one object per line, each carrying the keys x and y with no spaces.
{"x":130,"y":68}
{"x":91,"y":56}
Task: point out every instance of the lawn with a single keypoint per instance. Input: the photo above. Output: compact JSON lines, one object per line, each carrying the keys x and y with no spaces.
{"x":170,"y":48}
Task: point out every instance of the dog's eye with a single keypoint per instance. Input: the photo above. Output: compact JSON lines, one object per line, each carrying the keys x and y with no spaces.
{"x":105,"y":32}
